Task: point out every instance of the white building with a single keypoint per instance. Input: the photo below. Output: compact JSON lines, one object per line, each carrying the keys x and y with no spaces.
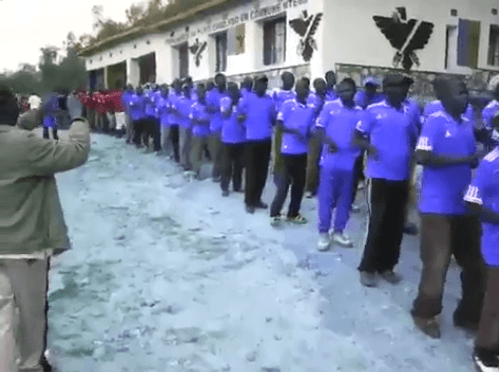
{"x":308,"y":37}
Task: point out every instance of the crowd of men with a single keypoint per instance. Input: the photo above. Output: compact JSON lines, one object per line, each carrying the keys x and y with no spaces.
{"x":320,"y":142}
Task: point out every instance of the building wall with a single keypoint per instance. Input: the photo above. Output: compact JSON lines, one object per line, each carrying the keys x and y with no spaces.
{"x":346,"y":39}
{"x":352,"y":36}
{"x":252,"y":15}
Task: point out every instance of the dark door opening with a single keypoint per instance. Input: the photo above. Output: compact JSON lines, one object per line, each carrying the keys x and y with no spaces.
{"x":183,"y":60}
{"x":147,"y":66}
{"x":116,"y":74}
{"x":96,"y":79}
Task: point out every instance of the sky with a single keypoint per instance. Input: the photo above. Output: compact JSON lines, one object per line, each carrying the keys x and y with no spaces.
{"x":28,"y":25}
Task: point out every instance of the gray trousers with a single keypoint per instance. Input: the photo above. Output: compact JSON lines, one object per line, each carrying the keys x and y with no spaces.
{"x":23,"y":314}
{"x":129,"y":128}
{"x":185,"y":140}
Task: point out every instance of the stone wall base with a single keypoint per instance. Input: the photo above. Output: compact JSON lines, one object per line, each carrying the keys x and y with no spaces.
{"x":274,"y":74}
{"x":422,"y":89}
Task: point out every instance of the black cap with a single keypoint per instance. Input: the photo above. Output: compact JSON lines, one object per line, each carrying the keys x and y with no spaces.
{"x":397,"y":80}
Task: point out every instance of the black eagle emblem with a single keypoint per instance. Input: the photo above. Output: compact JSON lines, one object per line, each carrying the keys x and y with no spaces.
{"x":306,"y":26}
{"x":197,"y":48}
{"x":406,"y":36}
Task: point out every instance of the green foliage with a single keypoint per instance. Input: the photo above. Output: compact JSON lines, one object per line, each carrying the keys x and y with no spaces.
{"x":137,"y":16}
{"x":70,"y":74}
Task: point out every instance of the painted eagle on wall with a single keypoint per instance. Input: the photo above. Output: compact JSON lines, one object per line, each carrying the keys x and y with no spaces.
{"x":197,"y":49}
{"x":406,"y":36}
{"x":306,"y":26}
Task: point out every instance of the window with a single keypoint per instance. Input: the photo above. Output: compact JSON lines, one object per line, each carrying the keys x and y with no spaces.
{"x":221,"y":50}
{"x":274,"y":41}
{"x":468,"y":43}
{"x":240,"y":38}
{"x":183,"y":59}
{"x":493,"y":57}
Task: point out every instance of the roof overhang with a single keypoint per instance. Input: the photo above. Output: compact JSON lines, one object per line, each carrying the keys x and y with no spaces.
{"x":158,"y":27}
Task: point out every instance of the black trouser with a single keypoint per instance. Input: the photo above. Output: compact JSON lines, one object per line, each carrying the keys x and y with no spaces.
{"x":294,"y":172}
{"x":139,"y":126}
{"x":358,"y":175}
{"x":488,"y":332}
{"x":441,"y":237}
{"x":174,"y":137}
{"x":232,"y":165}
{"x":387,"y":202}
{"x":46,"y":133}
{"x":257,"y":167}
{"x":152,"y":129}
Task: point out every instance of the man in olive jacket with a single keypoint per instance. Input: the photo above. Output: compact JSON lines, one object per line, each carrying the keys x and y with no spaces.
{"x":32,"y":229}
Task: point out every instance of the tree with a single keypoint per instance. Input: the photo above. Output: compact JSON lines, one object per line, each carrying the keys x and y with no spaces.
{"x":134,"y":13}
{"x":98,"y":17}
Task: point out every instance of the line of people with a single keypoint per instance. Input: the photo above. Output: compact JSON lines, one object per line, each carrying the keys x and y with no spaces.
{"x":320,"y":140}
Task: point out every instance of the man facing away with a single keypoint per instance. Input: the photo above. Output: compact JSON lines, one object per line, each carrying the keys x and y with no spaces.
{"x":32,"y":228}
{"x":200,"y":120}
{"x":213,"y":98}
{"x":259,"y":115}
{"x":447,"y":152}
{"x":389,"y":136}
{"x":316,"y":99}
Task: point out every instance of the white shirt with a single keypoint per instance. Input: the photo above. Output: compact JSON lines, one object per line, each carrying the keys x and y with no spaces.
{"x":34,"y":102}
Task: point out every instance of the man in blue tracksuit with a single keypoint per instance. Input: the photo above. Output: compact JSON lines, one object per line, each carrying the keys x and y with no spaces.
{"x":336,"y":128}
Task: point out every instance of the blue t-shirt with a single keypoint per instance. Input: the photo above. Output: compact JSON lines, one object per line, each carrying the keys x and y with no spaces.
{"x":484,"y":190}
{"x":280,"y":96}
{"x":261,"y":114}
{"x":414,"y":111}
{"x":198,"y":111}
{"x":296,"y":115}
{"x":50,"y":107}
{"x":126,"y":97}
{"x":339,"y":123}
{"x":331,"y":95}
{"x":183,"y":107}
{"x":394,"y":133}
{"x":442,"y":188}
{"x":435,"y":106}
{"x":162,"y":111}
{"x":174,"y":116}
{"x":232,"y":130}
{"x":363,"y":100}
{"x":213,"y":98}
{"x":137,"y":107}
{"x":150,"y":106}
{"x":489,"y":112}
{"x":316,"y":102}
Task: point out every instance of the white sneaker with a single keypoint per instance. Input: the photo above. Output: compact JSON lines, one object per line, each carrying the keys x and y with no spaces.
{"x":309,"y":195}
{"x":342,"y":239}
{"x":324,"y":242}
{"x":355,"y":208}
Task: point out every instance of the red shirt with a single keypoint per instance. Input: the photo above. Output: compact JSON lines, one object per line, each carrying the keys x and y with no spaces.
{"x":115,"y":101}
{"x":100,"y":103}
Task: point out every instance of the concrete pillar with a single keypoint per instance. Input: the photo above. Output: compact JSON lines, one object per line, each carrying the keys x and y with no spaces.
{"x":321,"y":61}
{"x":106,"y":85}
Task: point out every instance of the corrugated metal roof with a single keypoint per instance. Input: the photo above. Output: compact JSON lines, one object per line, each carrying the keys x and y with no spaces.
{"x":158,"y":27}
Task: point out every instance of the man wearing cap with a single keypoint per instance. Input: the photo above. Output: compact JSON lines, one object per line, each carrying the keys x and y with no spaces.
{"x":370,"y":94}
{"x":259,"y":116}
{"x":32,"y":228}
{"x":389,"y":136}
{"x":447,"y":151}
